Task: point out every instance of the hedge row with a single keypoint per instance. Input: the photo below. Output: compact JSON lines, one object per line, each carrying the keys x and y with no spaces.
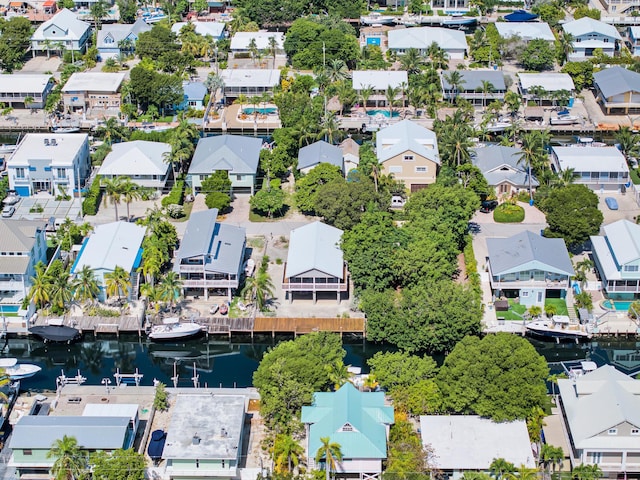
{"x":176,"y":195}
{"x":92,"y":199}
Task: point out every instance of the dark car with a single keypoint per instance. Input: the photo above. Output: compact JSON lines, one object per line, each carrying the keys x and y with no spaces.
{"x":488,"y":206}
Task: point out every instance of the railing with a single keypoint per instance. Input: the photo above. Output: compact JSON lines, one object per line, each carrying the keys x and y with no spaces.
{"x":200,"y":472}
{"x":11,"y":285}
{"x":191,"y":268}
{"x":202,"y":283}
{"x":310,"y":287}
{"x":624,"y":288}
{"x":529,"y":283}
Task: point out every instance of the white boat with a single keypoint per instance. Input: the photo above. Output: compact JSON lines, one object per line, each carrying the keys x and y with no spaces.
{"x":18,"y":371}
{"x":564,"y":120}
{"x":559,"y":327}
{"x":377,"y":18}
{"x":4,"y":148}
{"x":66,"y":129}
{"x":172,"y":329}
{"x":498,"y":126}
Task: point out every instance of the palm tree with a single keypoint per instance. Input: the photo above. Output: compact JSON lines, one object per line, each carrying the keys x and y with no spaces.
{"x":512,"y":101}
{"x":338,"y":373}
{"x":329,"y":128}
{"x":286,"y":452}
{"x":628,"y":142}
{"x":437,"y":56}
{"x":534,"y":311}
{"x":170,"y":288}
{"x":586,"y":472}
{"x":253,"y":49}
{"x":370,"y":383}
{"x":567,"y":177}
{"x":331,"y":453}
{"x":113,"y":192}
{"x":214,"y":83}
{"x":70,"y":463}
{"x":523,"y":473}
{"x":532,"y":153}
{"x":131,"y":191}
{"x":40,"y":287}
{"x":565,"y":39}
{"x":390,"y":96}
{"x":345,"y":93}
{"x":241,"y":100}
{"x":85,"y":286}
{"x":98,"y":12}
{"x":412,"y":61}
{"x":61,"y":294}
{"x":259,"y":288}
{"x":455,"y":80}
{"x":550,"y":310}
{"x":550,"y":456}
{"x":500,"y":467}
{"x":111,"y":131}
{"x":273,"y":49}
{"x":365,"y":93}
{"x":486,"y":87}
{"x":118,"y":282}
{"x":337,"y":70}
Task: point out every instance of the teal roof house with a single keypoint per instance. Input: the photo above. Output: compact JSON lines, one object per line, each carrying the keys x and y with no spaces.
{"x":358,"y":421}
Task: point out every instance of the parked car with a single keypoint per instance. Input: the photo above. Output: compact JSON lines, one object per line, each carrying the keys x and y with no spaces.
{"x":611,"y":202}
{"x":8,"y":211}
{"x":488,"y":206}
{"x":11,"y":199}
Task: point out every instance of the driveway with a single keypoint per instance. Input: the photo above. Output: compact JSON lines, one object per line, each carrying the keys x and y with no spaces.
{"x":627,"y":207}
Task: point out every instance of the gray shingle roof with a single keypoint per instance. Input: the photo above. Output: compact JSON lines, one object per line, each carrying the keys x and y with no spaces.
{"x":319,"y":152}
{"x":473,"y":79}
{"x":528,"y":250}
{"x":119,"y":32}
{"x":17,"y":236}
{"x":616,"y":80}
{"x":499,"y":164}
{"x":234,"y":153}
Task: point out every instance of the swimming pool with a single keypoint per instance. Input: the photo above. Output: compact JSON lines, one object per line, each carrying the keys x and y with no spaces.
{"x":382,"y":112}
{"x":261,"y":111}
{"x":618,"y":305}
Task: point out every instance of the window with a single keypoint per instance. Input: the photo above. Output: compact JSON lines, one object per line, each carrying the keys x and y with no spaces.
{"x":197,"y":463}
{"x":395,"y":169}
{"x":635,"y":431}
{"x":239,"y":178}
{"x":61,"y":173}
{"x":20,"y":172}
{"x":223,"y":464}
{"x":27,"y":452}
{"x":421,"y":169}
{"x":631,"y":268}
{"x":347,"y":427}
{"x":408,"y":158}
{"x":596,"y":457}
{"x":612,"y":431}
{"x":524,"y":294}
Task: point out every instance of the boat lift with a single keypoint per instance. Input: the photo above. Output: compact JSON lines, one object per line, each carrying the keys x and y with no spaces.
{"x":128,"y":378}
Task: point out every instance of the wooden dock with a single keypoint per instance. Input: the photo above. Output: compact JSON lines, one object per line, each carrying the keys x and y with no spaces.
{"x":283,"y":325}
{"x":96,"y":325}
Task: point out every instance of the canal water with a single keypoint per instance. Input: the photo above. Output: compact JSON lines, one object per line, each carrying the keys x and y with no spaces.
{"x":222,"y":363}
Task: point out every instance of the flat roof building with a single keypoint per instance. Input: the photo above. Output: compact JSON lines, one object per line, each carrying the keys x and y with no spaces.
{"x":599,"y":168}
{"x":526,"y":31}
{"x":15,"y":88}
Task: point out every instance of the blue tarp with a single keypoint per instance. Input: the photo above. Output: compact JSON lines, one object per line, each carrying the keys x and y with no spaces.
{"x":156,"y":445}
{"x":520,"y":16}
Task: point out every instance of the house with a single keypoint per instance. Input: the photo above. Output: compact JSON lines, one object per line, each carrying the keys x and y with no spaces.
{"x":241,"y":43}
{"x":89,"y":91}
{"x":472,"y":86}
{"x":211,"y":254}
{"x":33,"y":436}
{"x":317,"y":153}
{"x":450,"y":7}
{"x":409,"y":152}
{"x":545,"y":87}
{"x":115,"y":39}
{"x":18,"y":87}
{"x":315,"y":262}
{"x":350,"y":154}
{"x":469,"y":443}
{"x":250,"y":82}
{"x":379,"y":81}
{"x":236,"y":154}
{"x":50,"y":162}
{"x":63,"y":32}
{"x":590,"y":34}
{"x":453,"y":42}
{"x":619,"y":7}
{"x":601,"y":412}
{"x":633,"y":40}
{"x":525,"y":31}
{"x":599,"y":168}
{"x":194,"y":93}
{"x":204,"y":438}
{"x":530,"y":267}
{"x":129,"y":410}
{"x":214,"y":29}
{"x":616,"y":255}
{"x":116,"y":244}
{"x":358,"y":421}
{"x":23,"y":246}
{"x":617,"y":90}
{"x":503,"y":169}
{"x":142,"y":161}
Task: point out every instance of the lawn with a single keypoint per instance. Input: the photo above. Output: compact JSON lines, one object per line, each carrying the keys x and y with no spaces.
{"x":515,"y":311}
{"x":508,"y":213}
{"x":635,"y":177}
{"x":559,"y":303}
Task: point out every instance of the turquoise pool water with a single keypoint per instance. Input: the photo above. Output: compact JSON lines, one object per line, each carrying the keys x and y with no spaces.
{"x":261,"y":111}
{"x":382,"y":112}
{"x":620,"y":305}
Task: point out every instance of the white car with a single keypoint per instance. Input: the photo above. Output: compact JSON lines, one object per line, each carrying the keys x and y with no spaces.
{"x":11,"y":199}
{"x":8,"y":211}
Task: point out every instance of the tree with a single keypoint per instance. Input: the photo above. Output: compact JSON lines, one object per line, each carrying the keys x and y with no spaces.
{"x":338,"y":374}
{"x":550,"y":456}
{"x":70,"y":463}
{"x":113,"y":189}
{"x":60,"y":291}
{"x":268,"y":200}
{"x":16,"y":36}
{"x":157,"y":41}
{"x":85,"y":286}
{"x":286,"y":453}
{"x":39,"y":292}
{"x":411,"y":61}
{"x":217,"y":188}
{"x":401,"y":369}
{"x":587,"y":472}
{"x":565,"y":46}
{"x":581,"y":73}
{"x":501,"y":377}
{"x":337,"y":70}
{"x":331,"y":453}
{"x":117,"y":282}
{"x":628,"y":142}
{"x":307,"y":186}
{"x":160,"y":401}
{"x":170,"y":288}
{"x":118,"y":465}
{"x":98,"y":11}
{"x":499,"y":468}
{"x":258,"y":288}
{"x":572,"y":213}
{"x":486,"y":87}
{"x":532,"y":154}
{"x":538,"y":55}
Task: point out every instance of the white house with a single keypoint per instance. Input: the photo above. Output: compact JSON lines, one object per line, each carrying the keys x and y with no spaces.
{"x":599,"y":168}
{"x":89,"y":91}
{"x":453,"y":42}
{"x":241,"y":41}
{"x":142,"y":161}
{"x":15,"y":88}
{"x":616,"y":255}
{"x":590,"y":34}
{"x":117,"y":38}
{"x":503,"y":169}
{"x":543,"y":86}
{"x":350,"y":154}
{"x":525,"y":31}
{"x":50,"y":162}
{"x":63,"y":32}
{"x":250,"y":82}
{"x":214,"y":29}
{"x":379,"y":81}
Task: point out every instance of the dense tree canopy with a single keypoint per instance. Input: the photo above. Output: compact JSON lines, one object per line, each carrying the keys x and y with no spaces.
{"x":307,"y":187}
{"x":501,"y":377}
{"x":401,"y":369}
{"x":279,"y":12}
{"x":149,"y":87}
{"x":16,"y":35}
{"x":119,"y":465}
{"x":538,"y":55}
{"x":156,"y":42}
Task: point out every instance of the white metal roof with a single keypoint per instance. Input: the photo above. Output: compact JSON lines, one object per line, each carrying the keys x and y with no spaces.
{"x":587,"y":25}
{"x":591,"y":159}
{"x":61,"y":154}
{"x":422,"y":37}
{"x":406,"y":136}
{"x":94,"y":82}
{"x":551,"y":82}
{"x":67,"y":21}
{"x":139,"y":157}
{"x":470,"y":442}
{"x":315,"y":246}
{"x":378,"y":79}
{"x":623,"y":237}
{"x":24,"y":83}
{"x":215,"y":29}
{"x":241,"y":40}
{"x":250,"y":77}
{"x":525,"y":30}
{"x":111,"y":410}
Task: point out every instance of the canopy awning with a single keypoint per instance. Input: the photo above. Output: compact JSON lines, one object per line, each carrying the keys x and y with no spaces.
{"x":15,"y":4}
{"x":520,"y":16}
{"x":49,"y":3}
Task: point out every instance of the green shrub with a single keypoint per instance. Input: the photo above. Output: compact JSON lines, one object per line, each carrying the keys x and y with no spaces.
{"x":176,"y":196}
{"x":508,"y":213}
{"x":92,"y":199}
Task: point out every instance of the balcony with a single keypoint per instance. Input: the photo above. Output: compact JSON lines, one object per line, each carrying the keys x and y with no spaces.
{"x":10,"y":285}
{"x":191,"y":268}
{"x":202,"y":283}
{"x":201,"y":472}
{"x":313,"y":285}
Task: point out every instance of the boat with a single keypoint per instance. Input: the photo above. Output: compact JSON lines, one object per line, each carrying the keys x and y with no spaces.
{"x":156,"y":445}
{"x":498,"y":126}
{"x":564,"y":120}
{"x":18,"y":371}
{"x":7,"y":148}
{"x":66,"y":129}
{"x":458,"y":20}
{"x":559,"y":327}
{"x":172,"y":329}
{"x":55,"y":331}
{"x":376,"y":18}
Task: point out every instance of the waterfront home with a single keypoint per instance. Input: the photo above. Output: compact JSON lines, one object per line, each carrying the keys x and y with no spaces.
{"x":116,"y":39}
{"x":545,"y":87}
{"x":599,"y":168}
{"x":204,"y":438}
{"x":358,"y":421}
{"x":529,"y":267}
{"x":237,"y":155}
{"x":17,"y":87}
{"x":93,"y":93}
{"x":453,"y":42}
{"x":249,"y":82}
{"x":590,"y":34}
{"x":211,"y":255}
{"x":472,"y":86}
{"x":142,"y":161}
{"x":525,"y":31}
{"x":214,"y":29}
{"x":33,"y":436}
{"x":23,"y":246}
{"x":241,"y":43}
{"x":376,"y":36}
{"x":317,"y":153}
{"x":469,"y":443}
{"x":601,"y":412}
{"x":616,"y":255}
{"x":633,"y":40}
{"x":63,"y":32}
{"x":409,"y":152}
{"x":380,"y":82}
{"x":194,"y":94}
{"x":49,"y":162}
{"x":503,"y":169}
{"x":350,"y":154}
{"x":116,"y":244}
{"x":129,"y":410}
{"x":619,"y":7}
{"x":450,"y":7}
{"x":315,"y":262}
{"x":617,"y":90}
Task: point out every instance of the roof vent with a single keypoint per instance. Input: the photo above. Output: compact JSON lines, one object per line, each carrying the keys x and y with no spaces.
{"x":54,"y":142}
{"x":195,"y":440}
{"x":46,"y":142}
{"x":223,"y":432}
